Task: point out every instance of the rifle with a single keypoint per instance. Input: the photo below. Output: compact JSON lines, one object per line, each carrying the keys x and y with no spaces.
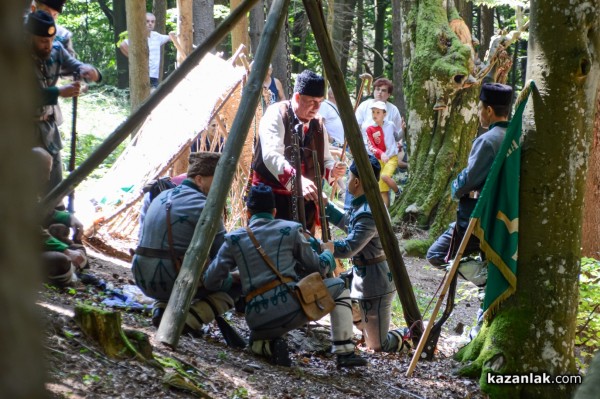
{"x":296,"y":160}
{"x":325,"y":235}
{"x":71,"y":203}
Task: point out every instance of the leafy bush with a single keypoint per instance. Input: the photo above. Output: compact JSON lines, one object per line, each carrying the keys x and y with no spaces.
{"x":587,"y":338}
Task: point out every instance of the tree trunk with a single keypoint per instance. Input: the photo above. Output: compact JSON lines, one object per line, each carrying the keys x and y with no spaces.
{"x":360,"y":48}
{"x":281,"y":57}
{"x":465,"y":9}
{"x":439,"y":141}
{"x":204,"y":20}
{"x":341,"y":16}
{"x":159,"y":8}
{"x":534,"y":330}
{"x":299,"y":31}
{"x":139,"y":82}
{"x":380,"y":15}
{"x":239,"y":33}
{"x":257,"y":24}
{"x":184,"y":29}
{"x":398,"y":58}
{"x":487,"y":29}
{"x":22,"y":362}
{"x":590,"y":230}
{"x":120,"y":25}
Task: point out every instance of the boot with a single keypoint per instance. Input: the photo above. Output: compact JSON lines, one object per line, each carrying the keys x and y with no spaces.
{"x":280,"y":353}
{"x":158,"y":310}
{"x":403,"y":337}
{"x":350,"y":359}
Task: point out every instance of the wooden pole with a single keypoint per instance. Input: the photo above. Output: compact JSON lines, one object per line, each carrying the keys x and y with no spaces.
{"x":436,"y":309}
{"x":123,"y":130}
{"x":411,"y":311}
{"x":185,"y":37}
{"x":185,"y":286}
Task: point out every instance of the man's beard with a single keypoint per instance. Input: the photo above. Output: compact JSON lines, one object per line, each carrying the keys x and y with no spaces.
{"x":42,"y":54}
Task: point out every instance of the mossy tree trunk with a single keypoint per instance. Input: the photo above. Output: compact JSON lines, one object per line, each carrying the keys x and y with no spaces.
{"x":590,"y":239}
{"x":436,"y":65}
{"x":534,"y":330}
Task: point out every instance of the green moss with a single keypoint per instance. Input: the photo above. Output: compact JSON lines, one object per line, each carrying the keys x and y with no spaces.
{"x":416,"y":247}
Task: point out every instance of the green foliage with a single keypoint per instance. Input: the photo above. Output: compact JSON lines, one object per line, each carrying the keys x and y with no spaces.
{"x":240,"y":393}
{"x":93,"y":36}
{"x":587,"y":339}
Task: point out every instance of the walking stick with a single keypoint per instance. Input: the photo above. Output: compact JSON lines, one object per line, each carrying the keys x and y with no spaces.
{"x":365,"y":79}
{"x":447,"y":282}
{"x":71,"y":203}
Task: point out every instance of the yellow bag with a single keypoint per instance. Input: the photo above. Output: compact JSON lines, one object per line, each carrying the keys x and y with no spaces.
{"x":314,"y":297}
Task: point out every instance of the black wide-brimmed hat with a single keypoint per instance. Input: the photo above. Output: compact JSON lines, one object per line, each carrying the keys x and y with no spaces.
{"x":309,"y":83}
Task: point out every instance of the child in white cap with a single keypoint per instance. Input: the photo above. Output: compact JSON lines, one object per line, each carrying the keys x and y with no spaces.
{"x":382,"y":143}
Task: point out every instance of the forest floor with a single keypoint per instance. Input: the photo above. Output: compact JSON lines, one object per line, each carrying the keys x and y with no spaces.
{"x":78,"y":369}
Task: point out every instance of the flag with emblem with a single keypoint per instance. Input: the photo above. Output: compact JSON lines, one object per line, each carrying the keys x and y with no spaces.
{"x":497,"y":214}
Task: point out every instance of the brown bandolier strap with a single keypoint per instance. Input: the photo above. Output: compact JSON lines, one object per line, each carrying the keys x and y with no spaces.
{"x":267,"y":287}
{"x":272,"y":284}
{"x":153,"y":253}
{"x":174,"y":258}
{"x":367,"y":262}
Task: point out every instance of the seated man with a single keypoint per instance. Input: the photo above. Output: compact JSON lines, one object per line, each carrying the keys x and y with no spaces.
{"x":271,"y":307}
{"x":167,"y":231}
{"x":61,"y":258}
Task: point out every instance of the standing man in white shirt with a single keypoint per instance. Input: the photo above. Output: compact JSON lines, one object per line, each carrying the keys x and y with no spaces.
{"x":155,"y":42}
{"x":331,"y":117}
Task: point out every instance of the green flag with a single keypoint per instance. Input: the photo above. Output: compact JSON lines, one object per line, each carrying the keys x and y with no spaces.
{"x":497,"y":214}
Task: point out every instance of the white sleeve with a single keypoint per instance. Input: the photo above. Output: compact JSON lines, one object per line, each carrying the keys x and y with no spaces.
{"x":271,"y":133}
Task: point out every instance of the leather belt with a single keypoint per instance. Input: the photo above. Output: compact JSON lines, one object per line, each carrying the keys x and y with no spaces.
{"x":367,"y":262}
{"x":267,"y":287}
{"x":153,"y":253}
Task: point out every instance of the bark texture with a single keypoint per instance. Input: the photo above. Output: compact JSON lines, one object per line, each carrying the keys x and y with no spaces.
{"x":185,"y":29}
{"x":204,"y":21}
{"x":22,"y":362}
{"x":436,"y":66}
{"x":590,"y":231}
{"x":534,"y":330}
{"x":139,"y":82}
{"x":120,"y":25}
{"x":398,"y":66}
{"x":239,"y":33}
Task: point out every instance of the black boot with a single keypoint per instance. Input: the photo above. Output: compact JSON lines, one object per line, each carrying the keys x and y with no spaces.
{"x":350,"y":359}
{"x":280,"y":354}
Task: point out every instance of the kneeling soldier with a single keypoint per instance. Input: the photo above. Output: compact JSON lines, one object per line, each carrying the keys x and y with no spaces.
{"x":168,"y":228}
{"x":272,"y":309}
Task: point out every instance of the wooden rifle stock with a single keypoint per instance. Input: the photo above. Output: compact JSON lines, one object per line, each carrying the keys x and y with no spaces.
{"x":297,"y":197}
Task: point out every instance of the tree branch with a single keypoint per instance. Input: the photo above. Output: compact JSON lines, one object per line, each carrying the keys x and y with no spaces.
{"x":107,"y":11}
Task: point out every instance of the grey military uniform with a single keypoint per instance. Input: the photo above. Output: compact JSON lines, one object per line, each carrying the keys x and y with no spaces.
{"x":372,"y":282}
{"x":49,"y":117}
{"x":470,"y":179}
{"x":276,"y":311}
{"x":152,"y":267}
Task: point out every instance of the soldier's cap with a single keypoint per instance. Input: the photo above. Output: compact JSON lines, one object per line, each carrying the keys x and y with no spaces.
{"x":40,"y":23}
{"x":379,"y":105}
{"x":54,"y":4}
{"x":496,"y":94}
{"x":374,"y":164}
{"x":203,"y":163}
{"x":309,"y":83}
{"x":260,"y":198}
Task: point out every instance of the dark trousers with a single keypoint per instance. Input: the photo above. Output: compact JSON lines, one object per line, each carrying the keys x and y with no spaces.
{"x":283,"y":203}
{"x":446,"y":246}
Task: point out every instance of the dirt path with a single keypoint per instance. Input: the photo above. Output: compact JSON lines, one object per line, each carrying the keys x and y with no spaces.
{"x":78,"y":370}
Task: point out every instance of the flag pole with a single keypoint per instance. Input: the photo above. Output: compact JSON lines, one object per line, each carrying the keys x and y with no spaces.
{"x":448,"y":279}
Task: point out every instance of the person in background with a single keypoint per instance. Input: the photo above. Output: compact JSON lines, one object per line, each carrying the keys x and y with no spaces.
{"x":155,"y":42}
{"x":272,"y":88}
{"x":382,"y":141}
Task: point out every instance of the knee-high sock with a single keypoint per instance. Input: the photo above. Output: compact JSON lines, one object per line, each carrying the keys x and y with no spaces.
{"x":341,"y":324}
